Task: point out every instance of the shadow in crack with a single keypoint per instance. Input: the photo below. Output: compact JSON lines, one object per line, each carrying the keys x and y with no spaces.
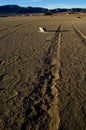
{"x":2,"y":89}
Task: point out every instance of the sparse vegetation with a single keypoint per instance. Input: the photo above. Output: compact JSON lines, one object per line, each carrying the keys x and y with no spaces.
{"x":48,"y":13}
{"x":79,"y":17}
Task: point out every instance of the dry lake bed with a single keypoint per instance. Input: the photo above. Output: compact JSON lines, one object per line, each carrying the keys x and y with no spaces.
{"x":43,"y":75}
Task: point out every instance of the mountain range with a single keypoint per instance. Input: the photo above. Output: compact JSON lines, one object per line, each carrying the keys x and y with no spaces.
{"x":15,"y":9}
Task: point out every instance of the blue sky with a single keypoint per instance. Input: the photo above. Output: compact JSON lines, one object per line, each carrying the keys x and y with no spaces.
{"x":47,"y":3}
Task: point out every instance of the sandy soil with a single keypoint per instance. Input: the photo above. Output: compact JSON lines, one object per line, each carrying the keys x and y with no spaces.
{"x":42,"y":75}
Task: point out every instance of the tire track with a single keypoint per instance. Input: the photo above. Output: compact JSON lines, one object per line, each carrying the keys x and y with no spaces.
{"x":42,"y":104}
{"x":3,"y":37}
{"x":80,"y":34}
{"x":8,"y":27}
{"x":71,"y":85}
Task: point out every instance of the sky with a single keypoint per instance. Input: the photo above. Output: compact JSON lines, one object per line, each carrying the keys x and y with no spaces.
{"x":50,"y":4}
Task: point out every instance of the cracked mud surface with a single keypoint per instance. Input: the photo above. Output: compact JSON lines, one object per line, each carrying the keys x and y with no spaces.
{"x":42,"y":75}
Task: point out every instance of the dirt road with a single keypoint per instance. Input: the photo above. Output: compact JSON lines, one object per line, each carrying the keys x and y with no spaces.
{"x":42,"y":75}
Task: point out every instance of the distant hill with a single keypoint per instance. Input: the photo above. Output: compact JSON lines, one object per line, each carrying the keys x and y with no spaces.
{"x":15,"y":9}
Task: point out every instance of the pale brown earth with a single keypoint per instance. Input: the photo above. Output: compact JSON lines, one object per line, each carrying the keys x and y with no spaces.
{"x":43,"y":75}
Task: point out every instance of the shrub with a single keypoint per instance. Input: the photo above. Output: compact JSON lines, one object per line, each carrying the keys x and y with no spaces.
{"x":48,"y":13}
